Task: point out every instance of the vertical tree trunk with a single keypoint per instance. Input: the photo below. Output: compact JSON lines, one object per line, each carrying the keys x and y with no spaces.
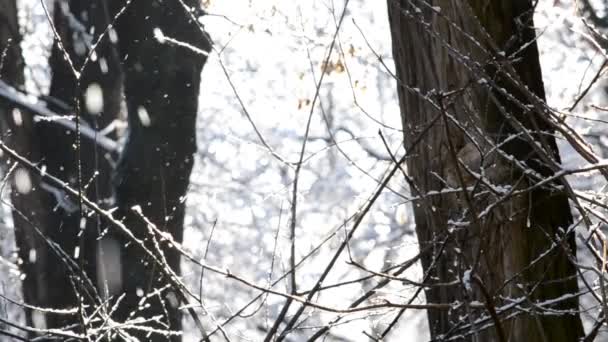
{"x":161,"y":87}
{"x":469,"y":80}
{"x":47,"y":224}
{"x":31,"y":204}
{"x":79,"y":25}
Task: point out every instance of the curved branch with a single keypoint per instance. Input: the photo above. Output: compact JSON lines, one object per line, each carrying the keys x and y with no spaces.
{"x":15,"y":97}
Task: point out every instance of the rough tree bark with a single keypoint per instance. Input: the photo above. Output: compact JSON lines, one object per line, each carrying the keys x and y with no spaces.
{"x":469,"y":80}
{"x":161,"y":87}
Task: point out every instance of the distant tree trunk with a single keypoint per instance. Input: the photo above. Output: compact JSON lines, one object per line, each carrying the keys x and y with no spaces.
{"x":161,"y":88}
{"x":96,"y":96}
{"x":43,"y":216}
{"x":454,"y":61}
{"x":31,"y":204}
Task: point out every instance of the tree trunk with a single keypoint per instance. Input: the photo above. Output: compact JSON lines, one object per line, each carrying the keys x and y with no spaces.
{"x":31,"y":204}
{"x":161,"y":86}
{"x":79,"y":25}
{"x":469,"y":80}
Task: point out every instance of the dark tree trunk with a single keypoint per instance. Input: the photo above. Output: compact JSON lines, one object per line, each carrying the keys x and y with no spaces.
{"x":30,"y":203}
{"x":161,"y":87}
{"x":47,"y":222}
{"x":79,"y":25}
{"x":455,"y":64}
